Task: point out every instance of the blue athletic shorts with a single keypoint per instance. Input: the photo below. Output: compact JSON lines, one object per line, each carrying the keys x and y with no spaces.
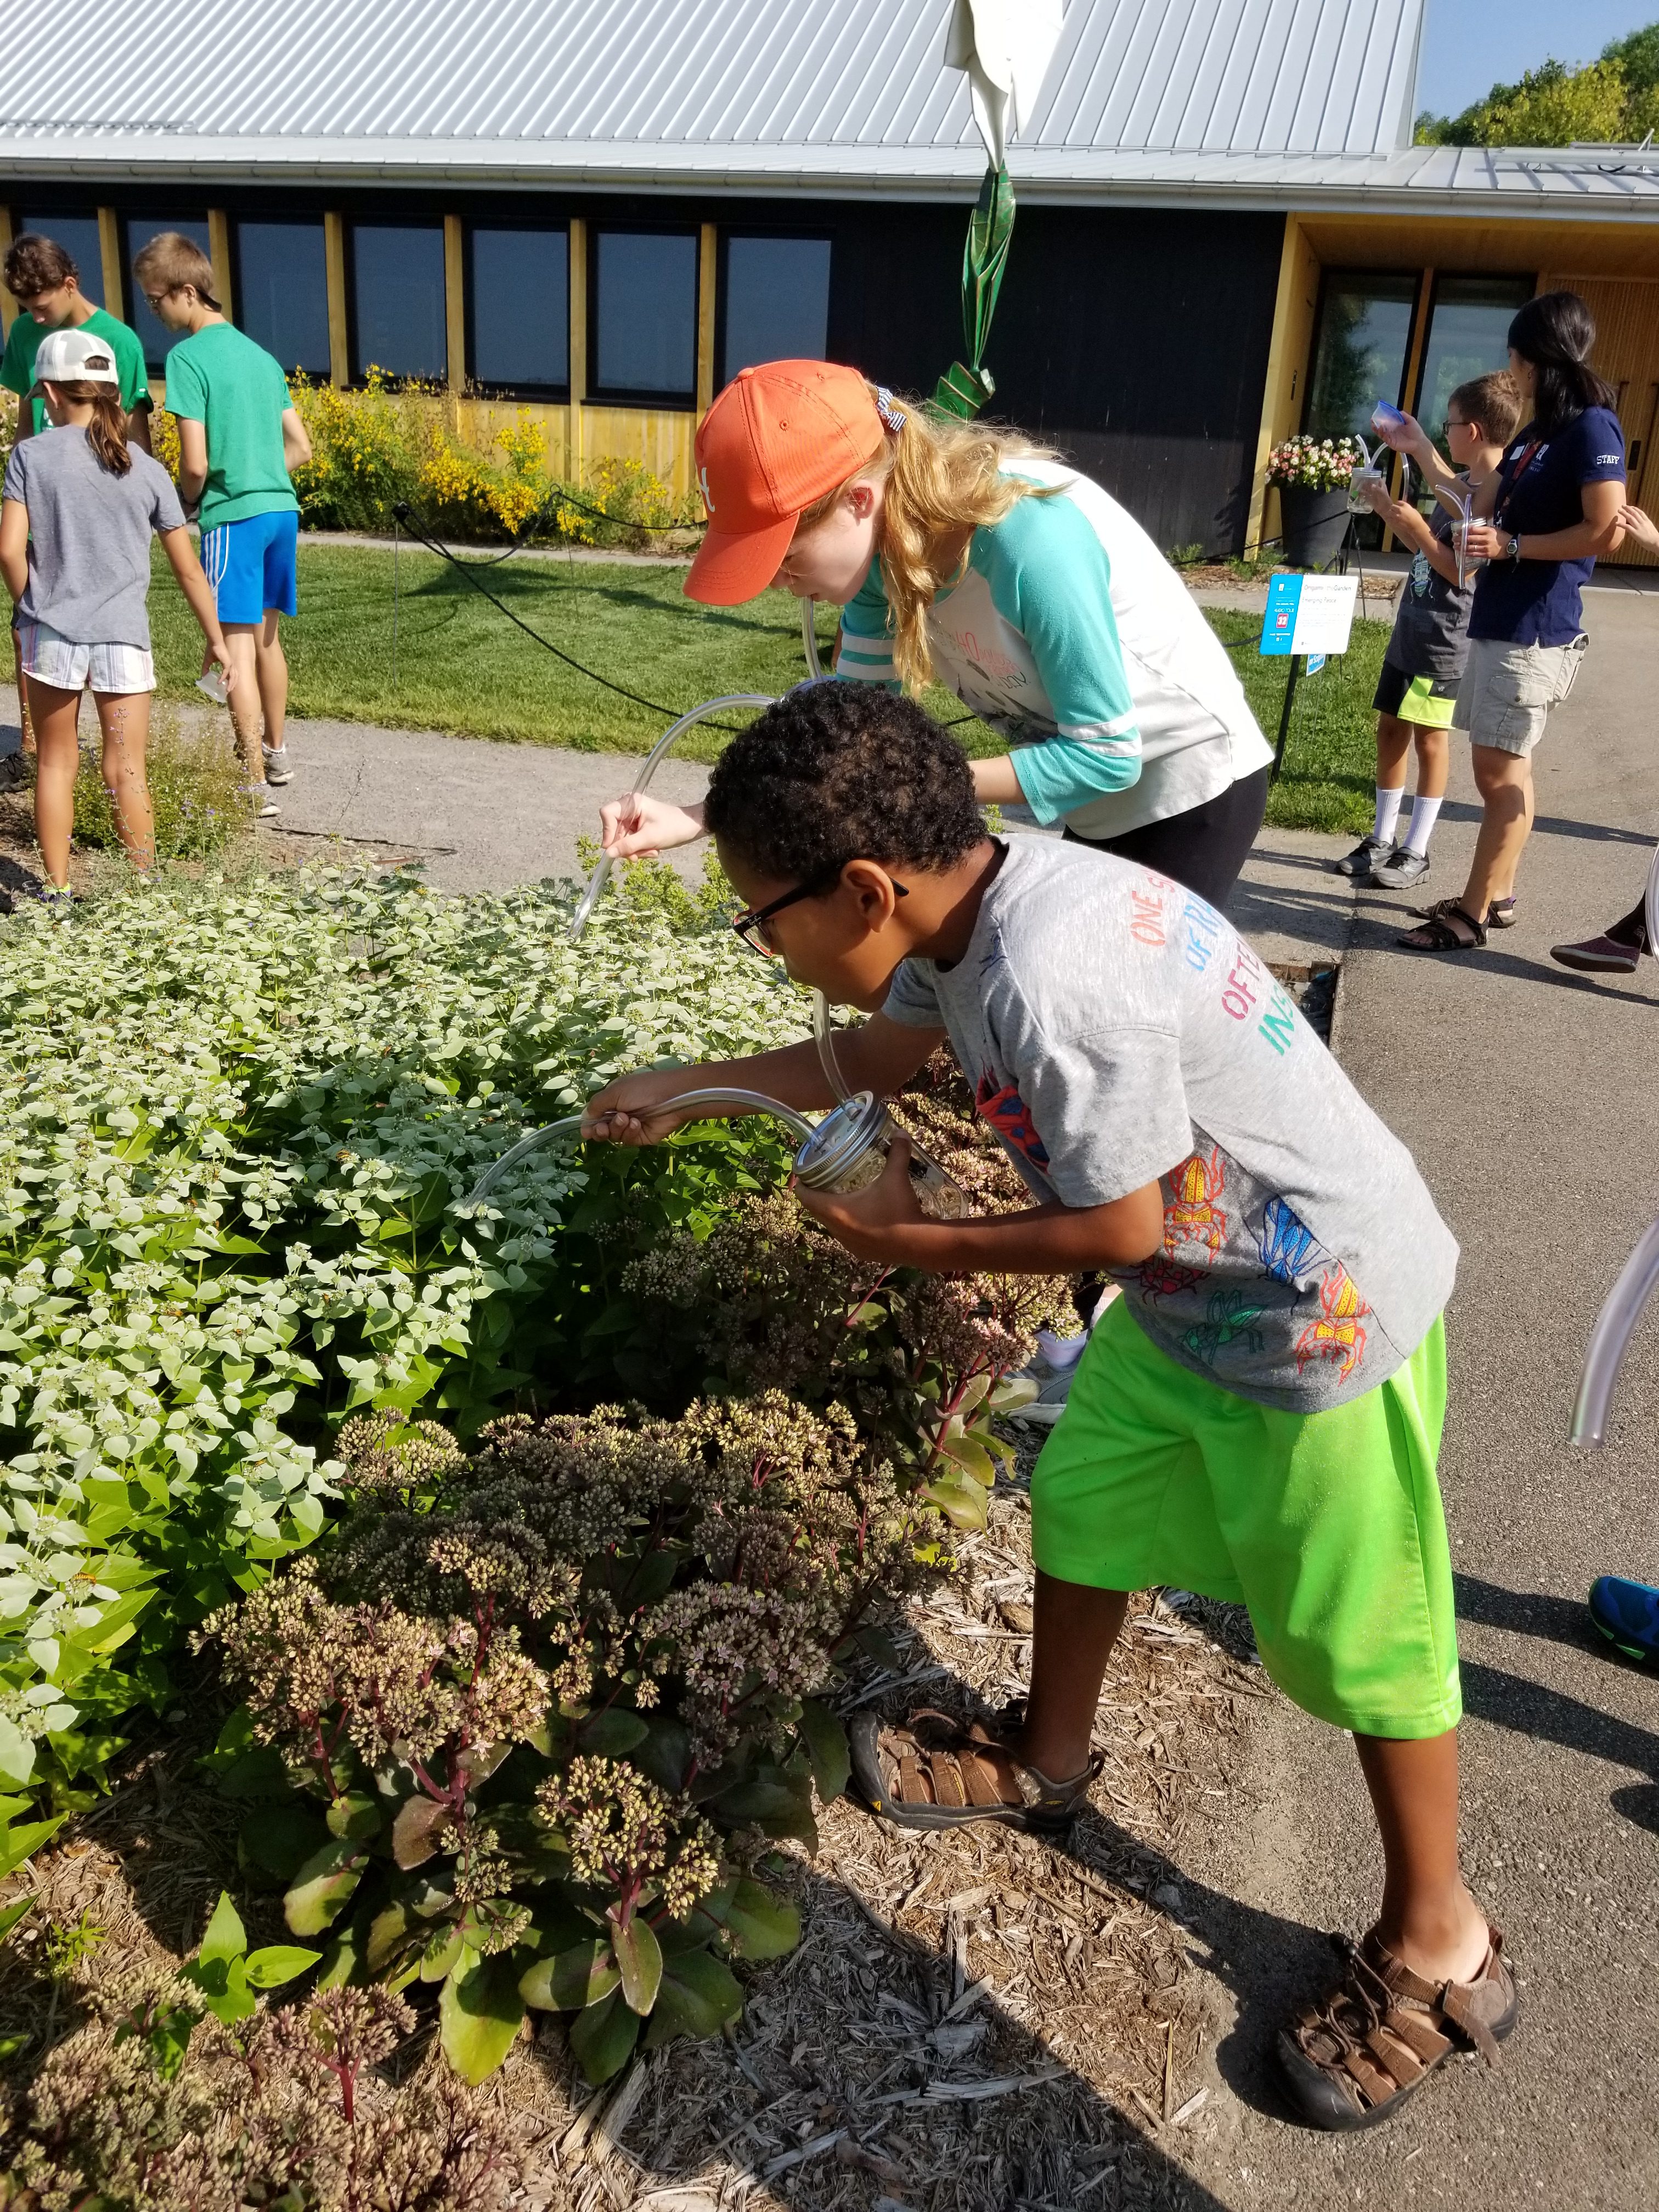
{"x":251,"y":566}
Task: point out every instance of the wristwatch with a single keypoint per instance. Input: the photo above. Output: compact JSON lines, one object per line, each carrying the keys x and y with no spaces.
{"x":1514,"y":552}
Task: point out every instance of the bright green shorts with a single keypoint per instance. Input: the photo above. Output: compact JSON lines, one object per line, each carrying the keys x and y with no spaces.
{"x":1327,"y":1525}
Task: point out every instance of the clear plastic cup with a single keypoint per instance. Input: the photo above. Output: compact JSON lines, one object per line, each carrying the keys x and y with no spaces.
{"x":215,"y":686}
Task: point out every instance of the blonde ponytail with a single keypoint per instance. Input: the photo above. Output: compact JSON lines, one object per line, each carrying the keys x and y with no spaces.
{"x":940,"y":477}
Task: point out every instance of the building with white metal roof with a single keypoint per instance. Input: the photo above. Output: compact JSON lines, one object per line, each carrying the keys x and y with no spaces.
{"x":1214,"y":194}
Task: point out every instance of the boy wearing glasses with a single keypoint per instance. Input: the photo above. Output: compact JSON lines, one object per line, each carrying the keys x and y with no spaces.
{"x":43,"y":278}
{"x":1256,"y":1417}
{"x":239,"y":434}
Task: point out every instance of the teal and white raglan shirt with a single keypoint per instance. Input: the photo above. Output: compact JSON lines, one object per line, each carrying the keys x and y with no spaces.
{"x":1071,"y":635}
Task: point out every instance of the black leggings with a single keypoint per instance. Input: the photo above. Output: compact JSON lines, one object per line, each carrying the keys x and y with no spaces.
{"x":1203,"y":849}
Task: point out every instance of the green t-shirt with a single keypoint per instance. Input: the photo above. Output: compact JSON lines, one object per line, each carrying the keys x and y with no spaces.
{"x":24,"y":343}
{"x":220,"y":379}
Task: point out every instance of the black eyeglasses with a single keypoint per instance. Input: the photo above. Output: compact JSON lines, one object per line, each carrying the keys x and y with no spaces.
{"x":750,"y":924}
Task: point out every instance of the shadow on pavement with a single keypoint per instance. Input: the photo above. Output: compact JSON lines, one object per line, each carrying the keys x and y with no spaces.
{"x":1510,"y":1701}
{"x":1526,"y":1613}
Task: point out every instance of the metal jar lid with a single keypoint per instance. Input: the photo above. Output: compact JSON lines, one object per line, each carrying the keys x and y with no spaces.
{"x":841,"y":1140}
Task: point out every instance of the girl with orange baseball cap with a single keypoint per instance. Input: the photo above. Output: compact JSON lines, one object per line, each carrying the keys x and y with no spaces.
{"x":970,"y":556}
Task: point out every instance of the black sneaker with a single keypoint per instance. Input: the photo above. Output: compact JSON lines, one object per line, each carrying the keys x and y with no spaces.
{"x":1364,"y":858}
{"x":1401,"y":870}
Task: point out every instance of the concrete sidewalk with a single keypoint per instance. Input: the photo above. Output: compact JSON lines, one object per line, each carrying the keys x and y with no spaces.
{"x":1528,"y":1097}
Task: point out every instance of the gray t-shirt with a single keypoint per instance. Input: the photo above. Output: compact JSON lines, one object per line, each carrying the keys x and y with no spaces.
{"x":1431,"y":627}
{"x":1116,"y":1031}
{"x":89,"y":532}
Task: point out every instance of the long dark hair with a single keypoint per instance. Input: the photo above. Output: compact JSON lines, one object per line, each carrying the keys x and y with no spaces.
{"x":1555,"y":332}
{"x":106,"y":433}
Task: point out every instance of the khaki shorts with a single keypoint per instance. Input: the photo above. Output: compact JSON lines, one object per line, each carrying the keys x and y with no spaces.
{"x":1507,"y":691}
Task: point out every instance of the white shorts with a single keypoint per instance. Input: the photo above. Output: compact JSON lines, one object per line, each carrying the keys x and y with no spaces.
{"x":67,"y":666}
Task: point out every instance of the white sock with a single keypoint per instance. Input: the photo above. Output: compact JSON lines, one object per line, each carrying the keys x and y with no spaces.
{"x":1424,"y":814}
{"x":1388,"y":813}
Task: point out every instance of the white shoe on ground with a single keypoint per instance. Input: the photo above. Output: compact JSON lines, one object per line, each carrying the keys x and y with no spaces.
{"x":265,"y":808}
{"x":278,"y":769}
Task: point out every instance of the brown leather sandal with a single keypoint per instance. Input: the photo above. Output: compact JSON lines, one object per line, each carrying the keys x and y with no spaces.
{"x":1350,"y":2062}
{"x":931,"y":1773}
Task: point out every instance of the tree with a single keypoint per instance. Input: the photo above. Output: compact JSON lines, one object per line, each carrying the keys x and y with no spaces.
{"x":1612,"y":101}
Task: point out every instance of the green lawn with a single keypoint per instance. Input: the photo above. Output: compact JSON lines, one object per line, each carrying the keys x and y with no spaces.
{"x":459,"y":664}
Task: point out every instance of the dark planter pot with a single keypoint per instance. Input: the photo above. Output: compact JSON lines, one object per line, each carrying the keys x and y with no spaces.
{"x":1314,"y":524}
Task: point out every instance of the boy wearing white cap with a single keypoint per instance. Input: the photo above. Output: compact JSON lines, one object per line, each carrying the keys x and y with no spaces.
{"x":78,"y":510}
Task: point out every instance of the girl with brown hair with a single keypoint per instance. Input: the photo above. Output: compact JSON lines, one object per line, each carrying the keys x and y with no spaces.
{"x":79,"y":507}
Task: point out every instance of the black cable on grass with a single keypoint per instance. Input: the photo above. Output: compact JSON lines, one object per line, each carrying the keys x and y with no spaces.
{"x":404,"y":516}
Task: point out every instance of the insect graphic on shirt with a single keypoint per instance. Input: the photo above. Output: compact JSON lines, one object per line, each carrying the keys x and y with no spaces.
{"x":1336,"y":1337}
{"x":1228,"y":1320}
{"x":1193,"y":1215}
{"x":1287,"y":1242}
{"x":1161,"y":1277}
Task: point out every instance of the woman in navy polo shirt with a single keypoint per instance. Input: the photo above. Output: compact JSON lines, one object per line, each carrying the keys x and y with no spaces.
{"x":1539,"y":522}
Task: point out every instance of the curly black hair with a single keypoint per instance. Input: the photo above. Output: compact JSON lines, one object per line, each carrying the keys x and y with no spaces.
{"x":837,"y":772}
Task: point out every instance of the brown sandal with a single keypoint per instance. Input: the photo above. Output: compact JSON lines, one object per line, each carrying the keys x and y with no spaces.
{"x":1348,"y":2063}
{"x":931,"y":1773}
{"x":1447,"y":927}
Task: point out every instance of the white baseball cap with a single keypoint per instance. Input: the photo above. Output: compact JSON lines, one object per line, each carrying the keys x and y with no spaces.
{"x":73,"y":357}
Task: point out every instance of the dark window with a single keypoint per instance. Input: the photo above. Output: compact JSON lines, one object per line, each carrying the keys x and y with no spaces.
{"x":78,"y":235}
{"x":1359,"y":351}
{"x":776,"y":301}
{"x":519,"y":309}
{"x":645,"y":315}
{"x":282,"y":291}
{"x":398,"y":291}
{"x":138,"y":230}
{"x":1468,"y":337}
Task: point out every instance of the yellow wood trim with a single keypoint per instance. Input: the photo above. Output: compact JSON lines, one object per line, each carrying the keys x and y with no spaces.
{"x":707,"y":264}
{"x":1413,"y":373}
{"x":109,"y":254}
{"x":1287,"y":362}
{"x":339,"y":347}
{"x":7,"y":304}
{"x":578,"y":342}
{"x":219,"y":255}
{"x":455,"y":301}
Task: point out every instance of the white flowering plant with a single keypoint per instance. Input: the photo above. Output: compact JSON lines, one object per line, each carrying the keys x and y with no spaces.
{"x":1313,"y":464}
{"x":244,"y":1122}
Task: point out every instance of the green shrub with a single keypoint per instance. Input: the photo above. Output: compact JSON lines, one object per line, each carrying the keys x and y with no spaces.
{"x":241,"y":1119}
{"x":198,"y":791}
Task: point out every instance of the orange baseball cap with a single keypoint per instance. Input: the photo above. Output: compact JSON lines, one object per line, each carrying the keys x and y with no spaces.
{"x":778,"y":439}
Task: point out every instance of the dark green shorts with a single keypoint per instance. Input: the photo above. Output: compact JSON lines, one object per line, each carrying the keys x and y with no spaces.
{"x":1327,"y":1525}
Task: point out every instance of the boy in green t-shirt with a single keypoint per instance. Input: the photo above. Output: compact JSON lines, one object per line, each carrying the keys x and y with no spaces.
{"x":238,"y":436}
{"x":41,"y":276}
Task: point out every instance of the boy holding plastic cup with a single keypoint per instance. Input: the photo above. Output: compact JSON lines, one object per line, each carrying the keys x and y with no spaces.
{"x":1424,"y":659}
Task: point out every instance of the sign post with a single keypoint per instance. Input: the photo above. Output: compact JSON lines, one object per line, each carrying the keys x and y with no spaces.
{"x":1307,"y":618}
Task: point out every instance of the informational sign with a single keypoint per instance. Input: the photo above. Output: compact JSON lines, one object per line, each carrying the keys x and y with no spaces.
{"x":1308,"y":614}
{"x":1315,"y":662}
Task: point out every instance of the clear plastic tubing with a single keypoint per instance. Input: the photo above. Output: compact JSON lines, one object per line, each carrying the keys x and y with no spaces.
{"x":754,"y":1101}
{"x":1610,"y":1338}
{"x":653,"y":759}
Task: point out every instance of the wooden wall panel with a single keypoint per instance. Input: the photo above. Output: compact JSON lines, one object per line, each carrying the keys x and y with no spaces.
{"x":1627,"y":354}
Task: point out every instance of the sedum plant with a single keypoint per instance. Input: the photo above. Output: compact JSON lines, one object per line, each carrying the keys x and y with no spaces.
{"x":531,"y":1712}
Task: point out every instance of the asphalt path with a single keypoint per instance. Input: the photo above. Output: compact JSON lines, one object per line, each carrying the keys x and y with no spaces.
{"x":1527,"y":1098}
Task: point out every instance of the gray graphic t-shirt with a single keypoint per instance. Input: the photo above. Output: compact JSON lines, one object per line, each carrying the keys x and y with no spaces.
{"x":89,"y":534}
{"x":1117,"y":1031}
{"x":1431,"y":626}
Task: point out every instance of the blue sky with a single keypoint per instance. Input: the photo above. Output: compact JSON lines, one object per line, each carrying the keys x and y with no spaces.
{"x":1468,"y":47}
